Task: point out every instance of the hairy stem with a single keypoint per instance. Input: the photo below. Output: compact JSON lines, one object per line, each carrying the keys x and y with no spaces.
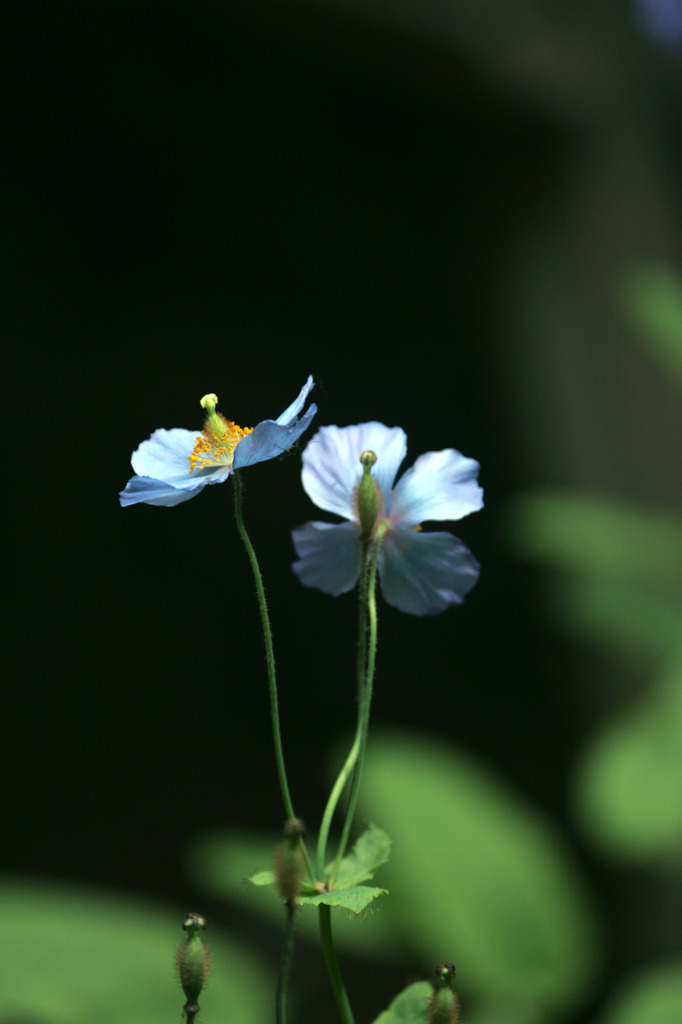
{"x":269,"y":660}
{"x":333,"y":966}
{"x":369,"y":643}
{"x":285,"y":964}
{"x":352,"y":757}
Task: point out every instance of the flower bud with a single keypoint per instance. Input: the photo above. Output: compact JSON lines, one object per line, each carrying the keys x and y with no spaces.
{"x":368,"y":495}
{"x":193,"y":961}
{"x":443,"y":1005}
{"x":289,"y":864}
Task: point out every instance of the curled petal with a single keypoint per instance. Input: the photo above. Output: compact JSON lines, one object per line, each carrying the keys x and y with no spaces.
{"x":292,"y":412}
{"x":440,"y":485}
{"x":329,"y":556}
{"x":272,"y":437}
{"x":331,"y":463}
{"x":425,"y":573}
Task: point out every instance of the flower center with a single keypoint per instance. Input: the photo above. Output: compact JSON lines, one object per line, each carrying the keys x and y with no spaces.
{"x":216,"y":443}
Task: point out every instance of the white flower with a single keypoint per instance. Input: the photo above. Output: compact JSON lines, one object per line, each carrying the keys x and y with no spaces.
{"x":421,"y":573}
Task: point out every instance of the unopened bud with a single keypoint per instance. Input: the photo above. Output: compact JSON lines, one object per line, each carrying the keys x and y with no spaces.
{"x":368,"y":495}
{"x":289,"y":864}
{"x":193,"y":962}
{"x":443,"y":1005}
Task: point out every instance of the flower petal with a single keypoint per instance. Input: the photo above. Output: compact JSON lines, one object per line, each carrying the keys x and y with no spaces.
{"x":165,"y":455}
{"x":331,"y":463}
{"x":162,"y":475}
{"x":329,"y":556}
{"x":292,"y":412}
{"x":425,"y":573}
{"x":272,"y":437}
{"x":440,"y":485}
{"x":157,"y":492}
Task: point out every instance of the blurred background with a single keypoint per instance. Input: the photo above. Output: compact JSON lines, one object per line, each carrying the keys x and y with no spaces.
{"x":463,"y":218}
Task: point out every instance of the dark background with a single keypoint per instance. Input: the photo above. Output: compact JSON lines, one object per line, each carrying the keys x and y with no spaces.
{"x":425,"y":206}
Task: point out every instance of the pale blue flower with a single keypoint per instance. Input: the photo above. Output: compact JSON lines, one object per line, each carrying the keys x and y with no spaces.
{"x":174,"y":465}
{"x":421,"y":573}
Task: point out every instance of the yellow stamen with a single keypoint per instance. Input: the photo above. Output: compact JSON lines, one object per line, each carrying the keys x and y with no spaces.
{"x":216,"y":444}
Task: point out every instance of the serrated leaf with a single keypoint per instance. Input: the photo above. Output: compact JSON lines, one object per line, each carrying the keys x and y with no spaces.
{"x":370,"y":851}
{"x":222,"y":862}
{"x":409,"y":1007}
{"x":356,"y":899}
{"x":79,"y":955}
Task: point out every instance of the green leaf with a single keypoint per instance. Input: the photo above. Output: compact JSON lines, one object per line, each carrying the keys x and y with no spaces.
{"x":263,"y":878}
{"x":370,"y":851}
{"x":77,"y":955}
{"x":597,"y":537}
{"x":409,"y":1007}
{"x":478,"y":876}
{"x":355,"y":899}
{"x":651,"y":998}
{"x":222,"y":863}
{"x":653,"y":296}
{"x":629,"y":784}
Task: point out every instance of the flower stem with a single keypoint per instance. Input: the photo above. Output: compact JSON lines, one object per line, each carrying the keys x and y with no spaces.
{"x":368,"y":642}
{"x":333,"y":965}
{"x":285,"y":964}
{"x":352,"y":757}
{"x":269,"y":660}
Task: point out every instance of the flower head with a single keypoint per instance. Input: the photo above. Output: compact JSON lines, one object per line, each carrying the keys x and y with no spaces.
{"x":351,"y":471}
{"x":174,"y":465}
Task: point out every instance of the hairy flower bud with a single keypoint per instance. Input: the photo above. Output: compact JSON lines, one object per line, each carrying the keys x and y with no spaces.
{"x":443,"y":1005}
{"x":193,"y":962}
{"x":289,"y":864}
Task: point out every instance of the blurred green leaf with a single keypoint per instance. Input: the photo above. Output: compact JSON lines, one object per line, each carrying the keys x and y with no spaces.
{"x":409,"y":1007}
{"x":622,"y":618}
{"x":478,"y":877}
{"x":263,"y":878}
{"x":651,"y":998}
{"x":597,"y":537}
{"x":74,"y":955}
{"x":629,"y":781}
{"x":653,"y":296}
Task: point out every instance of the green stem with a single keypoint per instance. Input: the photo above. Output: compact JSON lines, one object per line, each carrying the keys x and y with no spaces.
{"x":352,"y":757}
{"x":365,"y":701}
{"x":285,"y":964}
{"x":333,"y":965}
{"x":269,"y":660}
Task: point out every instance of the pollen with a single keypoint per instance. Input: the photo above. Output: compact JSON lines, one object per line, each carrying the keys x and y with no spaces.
{"x":216,"y":443}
